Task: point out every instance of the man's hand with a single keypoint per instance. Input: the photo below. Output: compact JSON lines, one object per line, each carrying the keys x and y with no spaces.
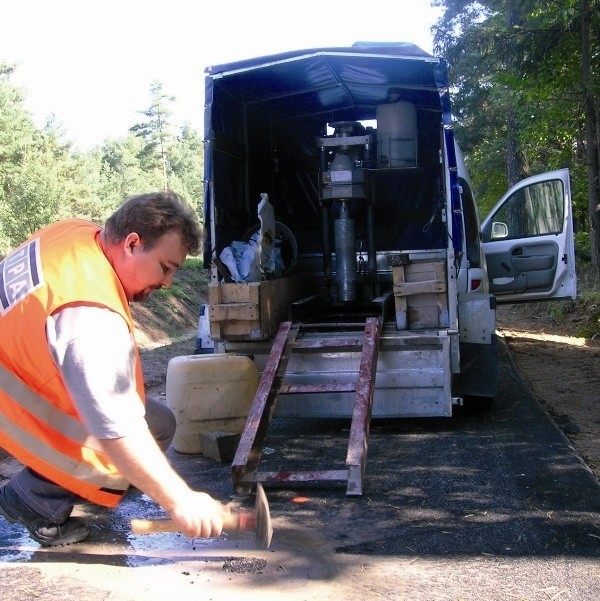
{"x":199,"y":515}
{"x":143,"y":464}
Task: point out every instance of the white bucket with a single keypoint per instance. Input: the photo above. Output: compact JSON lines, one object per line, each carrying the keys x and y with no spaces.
{"x":396,"y":135}
{"x":209,"y":393}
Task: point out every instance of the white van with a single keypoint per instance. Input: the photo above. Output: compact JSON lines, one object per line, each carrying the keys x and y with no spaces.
{"x":375,"y":218}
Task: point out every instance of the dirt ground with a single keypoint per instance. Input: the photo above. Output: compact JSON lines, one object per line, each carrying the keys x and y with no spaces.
{"x":561,"y":370}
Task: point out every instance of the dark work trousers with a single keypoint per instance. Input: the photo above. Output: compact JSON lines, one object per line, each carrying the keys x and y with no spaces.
{"x":53,"y":501}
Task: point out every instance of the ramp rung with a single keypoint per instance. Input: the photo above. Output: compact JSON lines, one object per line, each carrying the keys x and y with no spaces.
{"x":327,"y":344}
{"x":316,"y":388}
{"x":303,"y":476}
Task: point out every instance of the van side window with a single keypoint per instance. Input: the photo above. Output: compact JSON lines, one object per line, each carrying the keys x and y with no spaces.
{"x":534,"y":210}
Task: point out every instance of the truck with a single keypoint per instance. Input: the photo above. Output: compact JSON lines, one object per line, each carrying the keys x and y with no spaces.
{"x":387,"y":278}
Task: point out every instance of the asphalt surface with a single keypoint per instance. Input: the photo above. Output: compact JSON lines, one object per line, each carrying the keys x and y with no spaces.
{"x":487,"y":506}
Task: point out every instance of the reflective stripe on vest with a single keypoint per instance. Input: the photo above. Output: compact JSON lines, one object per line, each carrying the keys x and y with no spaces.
{"x":91,"y":471}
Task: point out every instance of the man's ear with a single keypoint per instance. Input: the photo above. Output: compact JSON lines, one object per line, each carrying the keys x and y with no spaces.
{"x":131,"y":242}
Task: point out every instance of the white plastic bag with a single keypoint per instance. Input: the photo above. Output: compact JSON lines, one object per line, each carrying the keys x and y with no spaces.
{"x":256,"y":259}
{"x":266,"y":215}
{"x":247,"y":257}
{"x":229,"y":261}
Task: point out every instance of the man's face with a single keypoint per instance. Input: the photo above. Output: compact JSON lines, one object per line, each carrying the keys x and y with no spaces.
{"x":143,"y":271}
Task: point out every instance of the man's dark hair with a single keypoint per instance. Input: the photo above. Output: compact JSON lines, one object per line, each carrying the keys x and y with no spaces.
{"x":152,"y":215}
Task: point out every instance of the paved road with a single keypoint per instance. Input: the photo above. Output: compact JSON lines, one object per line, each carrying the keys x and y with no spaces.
{"x":482,"y":507}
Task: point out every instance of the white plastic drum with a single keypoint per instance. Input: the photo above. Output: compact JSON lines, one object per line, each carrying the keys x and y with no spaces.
{"x":396,"y":135}
{"x":209,"y":393}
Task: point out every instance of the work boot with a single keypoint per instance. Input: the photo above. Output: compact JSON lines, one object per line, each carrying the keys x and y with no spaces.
{"x":49,"y":534}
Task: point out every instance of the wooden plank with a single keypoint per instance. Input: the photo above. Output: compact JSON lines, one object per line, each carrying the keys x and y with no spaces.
{"x":423,"y":317}
{"x":252,"y":311}
{"x":423,"y":300}
{"x":214,"y":294}
{"x":420,"y":295}
{"x":234,"y":312}
{"x":255,"y":291}
{"x":423,"y":267}
{"x":214,"y":298}
{"x":440,"y":271}
{"x":235,"y":293}
{"x":424,"y":287}
{"x":241,"y":330}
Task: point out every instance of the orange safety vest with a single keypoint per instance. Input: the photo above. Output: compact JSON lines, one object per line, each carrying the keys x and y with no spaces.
{"x":60,"y":265}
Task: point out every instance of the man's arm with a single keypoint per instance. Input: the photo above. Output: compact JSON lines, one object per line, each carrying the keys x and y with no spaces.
{"x":105,"y":395}
{"x":142,"y":463}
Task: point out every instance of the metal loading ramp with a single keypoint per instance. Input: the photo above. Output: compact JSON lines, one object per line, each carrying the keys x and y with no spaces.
{"x":307,"y":338}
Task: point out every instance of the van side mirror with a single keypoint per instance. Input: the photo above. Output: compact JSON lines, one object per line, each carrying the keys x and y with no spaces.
{"x":499,"y":230}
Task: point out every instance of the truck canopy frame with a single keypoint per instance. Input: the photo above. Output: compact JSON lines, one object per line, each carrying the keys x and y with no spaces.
{"x":264,"y":115}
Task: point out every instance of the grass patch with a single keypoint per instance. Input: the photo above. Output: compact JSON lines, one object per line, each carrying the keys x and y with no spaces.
{"x":173,"y":312}
{"x":193,"y":263}
{"x":583,"y":313}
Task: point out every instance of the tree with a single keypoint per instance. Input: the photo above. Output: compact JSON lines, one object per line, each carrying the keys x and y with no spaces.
{"x":156,"y":132}
{"x":35,"y":168}
{"x":15,"y":127}
{"x":42,"y":179}
{"x":187,"y":163}
{"x":470,"y":35}
{"x":526,"y":91}
{"x":122,"y":173}
{"x":591,"y":102}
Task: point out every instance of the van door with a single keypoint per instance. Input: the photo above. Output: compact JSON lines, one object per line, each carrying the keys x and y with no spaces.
{"x":528,"y":241}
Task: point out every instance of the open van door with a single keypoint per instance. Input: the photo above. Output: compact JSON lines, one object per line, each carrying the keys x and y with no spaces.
{"x":528,"y":241}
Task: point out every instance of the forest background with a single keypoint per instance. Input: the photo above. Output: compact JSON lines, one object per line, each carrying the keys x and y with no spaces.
{"x":525,"y":78}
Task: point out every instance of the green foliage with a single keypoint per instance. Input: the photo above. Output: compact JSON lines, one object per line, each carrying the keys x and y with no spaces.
{"x":193,"y":263}
{"x":582,"y":246}
{"x":558,"y":312}
{"x":187,"y":165}
{"x":587,"y":305}
{"x":582,"y":315}
{"x":519,"y":92}
{"x":42,"y":179}
{"x":190,"y":280}
{"x":156,"y":133}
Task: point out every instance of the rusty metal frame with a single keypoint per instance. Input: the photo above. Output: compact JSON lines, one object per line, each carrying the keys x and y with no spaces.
{"x":247,"y":458}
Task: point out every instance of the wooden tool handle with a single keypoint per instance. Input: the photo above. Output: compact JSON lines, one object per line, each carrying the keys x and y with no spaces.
{"x":232,"y":520}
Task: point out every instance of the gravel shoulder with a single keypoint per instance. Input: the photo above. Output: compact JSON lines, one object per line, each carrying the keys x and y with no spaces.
{"x":561,"y":370}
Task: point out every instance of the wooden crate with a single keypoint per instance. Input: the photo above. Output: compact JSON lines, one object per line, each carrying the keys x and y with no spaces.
{"x":420,"y":294}
{"x":252,"y":311}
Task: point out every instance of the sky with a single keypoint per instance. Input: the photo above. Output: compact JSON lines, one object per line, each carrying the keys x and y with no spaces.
{"x":90,"y":63}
